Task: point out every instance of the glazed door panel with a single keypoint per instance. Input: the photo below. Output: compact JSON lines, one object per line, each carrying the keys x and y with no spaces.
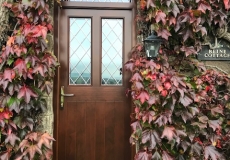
{"x":94,"y":122}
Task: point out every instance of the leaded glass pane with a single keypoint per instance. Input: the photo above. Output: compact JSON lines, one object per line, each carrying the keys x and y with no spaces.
{"x":80,"y":51}
{"x":112,"y":41}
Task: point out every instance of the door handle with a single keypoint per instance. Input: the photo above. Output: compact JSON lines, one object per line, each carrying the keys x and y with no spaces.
{"x":64,"y":95}
{"x":67,"y":95}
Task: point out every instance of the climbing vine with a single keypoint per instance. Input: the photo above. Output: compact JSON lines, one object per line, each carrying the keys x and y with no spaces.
{"x":181,"y":109}
{"x":26,"y":72}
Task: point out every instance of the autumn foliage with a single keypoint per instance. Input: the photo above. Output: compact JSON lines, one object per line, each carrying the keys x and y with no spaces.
{"x":26,"y":73}
{"x":181,"y":108}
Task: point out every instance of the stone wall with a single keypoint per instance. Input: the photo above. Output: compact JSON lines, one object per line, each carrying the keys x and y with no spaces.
{"x":47,"y":118}
{"x":223,"y":66}
{"x":4,"y":21}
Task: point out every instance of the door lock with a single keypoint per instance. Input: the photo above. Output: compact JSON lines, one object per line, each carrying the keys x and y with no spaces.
{"x":64,"y":95}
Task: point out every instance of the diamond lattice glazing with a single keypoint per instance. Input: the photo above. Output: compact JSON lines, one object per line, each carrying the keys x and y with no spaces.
{"x":80,"y":51}
{"x":112,"y":41}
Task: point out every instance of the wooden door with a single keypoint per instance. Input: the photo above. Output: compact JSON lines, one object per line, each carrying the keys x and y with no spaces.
{"x":94,"y":124}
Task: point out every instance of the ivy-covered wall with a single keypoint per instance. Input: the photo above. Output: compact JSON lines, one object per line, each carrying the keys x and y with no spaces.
{"x":46,"y":119}
{"x":143,"y":30}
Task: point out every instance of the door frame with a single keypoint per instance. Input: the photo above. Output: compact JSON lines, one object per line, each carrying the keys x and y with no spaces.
{"x":56,"y":14}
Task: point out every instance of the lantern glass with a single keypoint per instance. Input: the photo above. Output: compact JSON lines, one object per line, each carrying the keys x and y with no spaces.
{"x":152,"y":48}
{"x":152,"y":44}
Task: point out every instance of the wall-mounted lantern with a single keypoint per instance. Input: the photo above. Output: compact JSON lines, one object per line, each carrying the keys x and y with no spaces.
{"x":152,"y":44}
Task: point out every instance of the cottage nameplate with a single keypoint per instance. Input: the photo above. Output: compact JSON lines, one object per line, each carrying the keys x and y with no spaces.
{"x":218,"y":54}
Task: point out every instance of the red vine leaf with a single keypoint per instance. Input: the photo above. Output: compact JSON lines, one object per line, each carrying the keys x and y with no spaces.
{"x":214,"y":124}
{"x":202,"y":30}
{"x":203,"y":119}
{"x":185,"y":115}
{"x":11,"y":138}
{"x":45,"y":139}
{"x":217,"y":110}
{"x":26,"y":93}
{"x":8,"y":74}
{"x":27,"y":29}
{"x":32,"y":60}
{"x":46,"y":86}
{"x":32,"y":149}
{"x":40,"y":68}
{"x":175,"y":10}
{"x":39,"y":31}
{"x":188,"y":50}
{"x":210,"y":151}
{"x":136,"y":125}
{"x":193,"y":110}
{"x":172,"y":20}
{"x":20,"y":66}
{"x":150,"y":3}
{"x":143,"y":96}
{"x":19,"y":39}
{"x":156,"y":156}
{"x":139,"y":85}
{"x":203,"y":6}
{"x":10,"y":41}
{"x":227,"y":4}
{"x":129,"y":66}
{"x":148,"y":116}
{"x":152,"y":137}
{"x":33,"y":136}
{"x":164,"y":33}
{"x":164,"y":119}
{"x":186,"y":101}
{"x":5,"y":155}
{"x":186,"y":33}
{"x":47,"y":154}
{"x":195,"y":147}
{"x":49,"y":59}
{"x":160,"y":16}
{"x":152,"y":99}
{"x":19,"y":50}
{"x":200,"y":125}
{"x":24,"y":143}
{"x":143,"y":155}
{"x":136,"y":77}
{"x":166,"y":156}
{"x":169,"y":133}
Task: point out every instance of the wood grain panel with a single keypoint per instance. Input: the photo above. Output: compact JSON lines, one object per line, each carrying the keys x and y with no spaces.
{"x":100,"y":130}
{"x":90,"y":127}
{"x":95,"y":132}
{"x":109,"y":130}
{"x":119,"y":127}
{"x":94,"y":123}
